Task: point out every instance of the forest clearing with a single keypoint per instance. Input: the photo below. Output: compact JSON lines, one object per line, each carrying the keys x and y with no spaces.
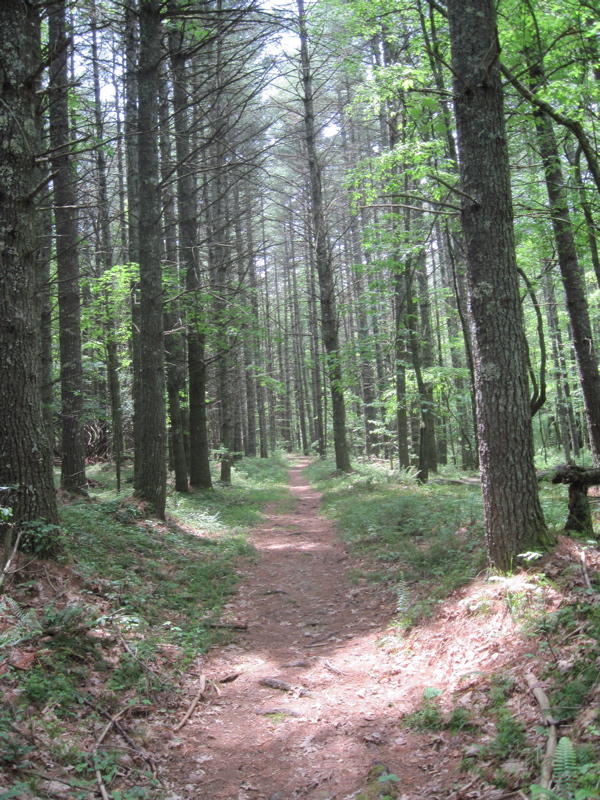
{"x":232,"y":654}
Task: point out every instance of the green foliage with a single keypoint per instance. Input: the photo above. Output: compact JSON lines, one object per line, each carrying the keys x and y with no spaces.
{"x":509,"y":739}
{"x":170,"y":581}
{"x":380,"y":784}
{"x":501,"y":688}
{"x":425,"y":534}
{"x":26,"y":624}
{"x":20,"y":789}
{"x":41,"y":687}
{"x":429,"y":716}
{"x":40,"y":538}
{"x":576,"y":774}
{"x":13,"y":749}
{"x":573,"y":684}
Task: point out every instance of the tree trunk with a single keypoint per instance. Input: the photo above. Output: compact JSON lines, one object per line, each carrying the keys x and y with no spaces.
{"x":151,"y":474}
{"x":106,"y":258}
{"x":400,"y":358}
{"x":315,"y":350}
{"x":25,"y":457}
{"x":174,"y":344}
{"x":133,"y":218}
{"x":200,"y":474}
{"x":67,"y":261}
{"x":513,"y":515}
{"x":571,"y":271}
{"x":329,"y":315}
{"x":568,"y":432}
{"x":251,"y":342}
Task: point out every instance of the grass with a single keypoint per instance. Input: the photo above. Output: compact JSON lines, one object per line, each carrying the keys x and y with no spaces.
{"x":421,"y":543}
{"x":135,"y":587}
{"x":171,"y":580}
{"x":427,"y":537}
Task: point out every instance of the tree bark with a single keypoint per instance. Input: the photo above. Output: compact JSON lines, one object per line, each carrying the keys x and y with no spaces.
{"x":151,"y":474}
{"x":133,"y":217}
{"x":572,"y":274}
{"x":174,"y":344}
{"x":25,"y":457}
{"x":200,"y":474}
{"x":329,"y":315}
{"x":67,"y":260}
{"x":106,"y":257}
{"x":513,"y":515}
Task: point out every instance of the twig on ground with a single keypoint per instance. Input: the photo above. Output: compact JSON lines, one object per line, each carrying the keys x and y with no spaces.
{"x":193,"y":704}
{"x":328,"y":665}
{"x":101,"y":786}
{"x":542,"y":698}
{"x":126,"y":737}
{"x":140,"y":662}
{"x":8,"y":558}
{"x":323,"y":637}
{"x":111,"y":722}
{"x":275,"y":683}
{"x":99,"y":779}
{"x":52,"y":586}
{"x":586,"y":574}
{"x":229,"y":678}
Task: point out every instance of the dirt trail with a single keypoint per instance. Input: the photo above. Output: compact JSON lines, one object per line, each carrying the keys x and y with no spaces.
{"x":311,"y":629}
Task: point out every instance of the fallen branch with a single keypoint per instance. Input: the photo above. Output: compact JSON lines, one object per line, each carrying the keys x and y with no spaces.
{"x":230,"y":678}
{"x":267,"y":712}
{"x":193,"y":704}
{"x":111,"y":722}
{"x":579,"y":479}
{"x":542,"y":698}
{"x":99,"y":778}
{"x":8,"y":558}
{"x":275,"y":683}
{"x":126,"y":737}
{"x":101,"y":786}
{"x":323,"y":637}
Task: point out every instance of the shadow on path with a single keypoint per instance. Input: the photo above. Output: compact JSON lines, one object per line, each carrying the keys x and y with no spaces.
{"x":311,"y":629}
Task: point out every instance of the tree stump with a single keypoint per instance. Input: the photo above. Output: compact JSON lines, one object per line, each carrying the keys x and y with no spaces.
{"x":578,"y":480}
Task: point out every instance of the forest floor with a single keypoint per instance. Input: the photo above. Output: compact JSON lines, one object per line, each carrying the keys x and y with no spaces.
{"x":320,"y":693}
{"x":312,"y":697}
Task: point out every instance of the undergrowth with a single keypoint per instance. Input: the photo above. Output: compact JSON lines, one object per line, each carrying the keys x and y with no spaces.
{"x":428,"y":538}
{"x":137,"y":601}
{"x":421,"y":543}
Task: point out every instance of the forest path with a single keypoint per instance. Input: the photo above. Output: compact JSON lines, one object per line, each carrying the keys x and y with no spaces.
{"x":311,"y":629}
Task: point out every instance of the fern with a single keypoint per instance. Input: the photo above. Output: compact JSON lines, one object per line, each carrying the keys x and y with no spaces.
{"x":15,"y":609}
{"x":402,"y":597}
{"x":539,"y":791}
{"x":565,"y":765}
{"x":68,"y":619}
{"x":26,"y":627}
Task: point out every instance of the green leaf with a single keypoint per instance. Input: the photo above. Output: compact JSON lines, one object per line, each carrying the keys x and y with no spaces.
{"x":386,"y":778}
